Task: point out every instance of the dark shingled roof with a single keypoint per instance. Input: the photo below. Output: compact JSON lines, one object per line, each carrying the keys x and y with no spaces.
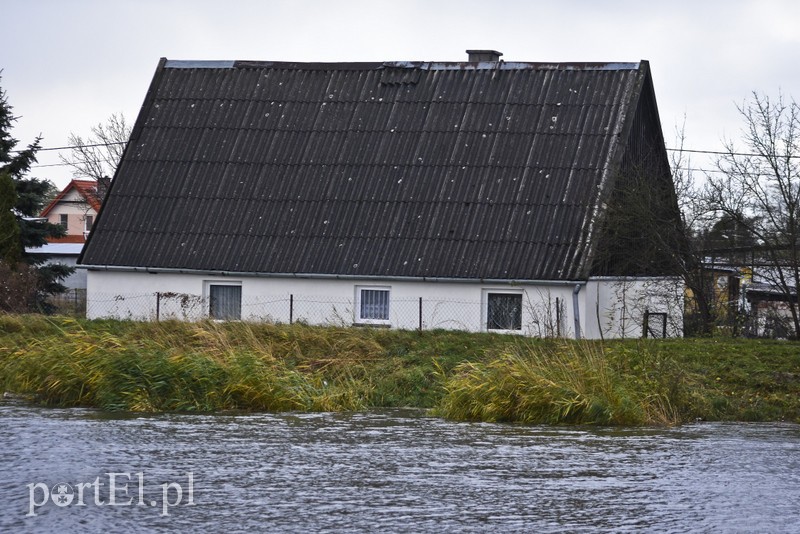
{"x":492,"y":170}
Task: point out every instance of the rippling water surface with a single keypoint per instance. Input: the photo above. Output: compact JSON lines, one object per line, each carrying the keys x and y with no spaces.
{"x":392,"y":471}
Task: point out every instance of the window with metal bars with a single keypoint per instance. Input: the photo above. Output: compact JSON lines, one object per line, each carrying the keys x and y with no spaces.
{"x":372,"y":305}
{"x":504,"y":311}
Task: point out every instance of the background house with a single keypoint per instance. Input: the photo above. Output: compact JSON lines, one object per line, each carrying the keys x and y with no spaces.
{"x":75,"y":209}
{"x":483,"y":195}
{"x":768,"y":294}
{"x":749,"y":294}
{"x":723,"y":285}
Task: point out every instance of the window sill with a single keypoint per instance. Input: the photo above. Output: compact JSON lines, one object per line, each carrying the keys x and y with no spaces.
{"x":500,"y":331}
{"x":372,"y":325}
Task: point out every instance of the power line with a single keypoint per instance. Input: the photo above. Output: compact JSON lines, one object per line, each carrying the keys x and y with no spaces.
{"x":688,"y":150}
{"x":85,"y":146}
{"x":719,"y":153}
{"x":698,"y":169}
{"x":691,"y":151}
{"x":74,"y":147}
{"x":69,"y":164}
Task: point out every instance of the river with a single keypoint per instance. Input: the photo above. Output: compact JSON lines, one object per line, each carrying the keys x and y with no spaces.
{"x":388,"y":471}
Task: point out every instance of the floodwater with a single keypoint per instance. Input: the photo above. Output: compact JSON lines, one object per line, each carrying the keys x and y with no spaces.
{"x":388,"y":471}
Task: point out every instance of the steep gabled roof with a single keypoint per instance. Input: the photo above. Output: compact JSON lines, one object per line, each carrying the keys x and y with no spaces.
{"x":86,"y":188}
{"x":492,"y":170}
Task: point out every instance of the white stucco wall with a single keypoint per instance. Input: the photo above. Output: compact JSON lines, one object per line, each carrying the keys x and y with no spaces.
{"x":616,"y":307}
{"x":547,"y":308}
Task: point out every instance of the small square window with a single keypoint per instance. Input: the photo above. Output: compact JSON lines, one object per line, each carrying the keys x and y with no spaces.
{"x":504,"y":311}
{"x":372,"y":305}
{"x":225,"y":302}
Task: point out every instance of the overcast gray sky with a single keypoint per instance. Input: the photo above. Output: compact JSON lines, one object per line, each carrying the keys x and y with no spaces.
{"x":68,"y":65}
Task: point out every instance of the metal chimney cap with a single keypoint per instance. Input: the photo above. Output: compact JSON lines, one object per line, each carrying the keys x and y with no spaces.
{"x":484,"y":55}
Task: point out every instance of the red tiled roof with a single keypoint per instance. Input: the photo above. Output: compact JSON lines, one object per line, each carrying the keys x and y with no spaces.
{"x":87,"y":189}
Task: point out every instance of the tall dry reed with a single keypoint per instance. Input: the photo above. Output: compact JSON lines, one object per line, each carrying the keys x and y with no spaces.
{"x":559,"y":383}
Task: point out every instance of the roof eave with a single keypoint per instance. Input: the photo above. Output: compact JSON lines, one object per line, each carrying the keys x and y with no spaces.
{"x":326,"y":276}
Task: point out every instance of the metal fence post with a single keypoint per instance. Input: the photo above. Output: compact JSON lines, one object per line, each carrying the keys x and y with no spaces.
{"x":558,"y":318}
{"x":646,"y":323}
{"x":158,"y":306}
{"x":291,"y":308}
{"x":420,"y":314}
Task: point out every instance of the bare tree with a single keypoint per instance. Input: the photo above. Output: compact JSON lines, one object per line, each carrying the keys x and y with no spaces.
{"x":702,"y":312}
{"x":694,"y":209}
{"x":759,"y":189}
{"x":649,"y":220}
{"x":96,"y":157}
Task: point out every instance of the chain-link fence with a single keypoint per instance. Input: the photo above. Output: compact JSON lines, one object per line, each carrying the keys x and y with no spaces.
{"x":70,"y":302}
{"x":605,"y":308}
{"x":417,"y":313}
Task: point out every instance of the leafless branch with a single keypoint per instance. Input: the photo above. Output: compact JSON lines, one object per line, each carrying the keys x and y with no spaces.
{"x":97,"y":156}
{"x":759,"y":188}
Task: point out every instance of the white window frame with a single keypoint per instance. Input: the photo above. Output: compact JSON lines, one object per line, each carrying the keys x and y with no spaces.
{"x":364,"y":320}
{"x":88,"y":221}
{"x":207,"y":284}
{"x":485,"y":309}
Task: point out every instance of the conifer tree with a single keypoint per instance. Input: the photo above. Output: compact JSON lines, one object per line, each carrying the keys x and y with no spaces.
{"x":29,"y":196}
{"x":10,"y":244}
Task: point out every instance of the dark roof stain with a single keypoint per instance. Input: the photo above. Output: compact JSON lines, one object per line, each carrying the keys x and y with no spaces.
{"x":492,"y":170}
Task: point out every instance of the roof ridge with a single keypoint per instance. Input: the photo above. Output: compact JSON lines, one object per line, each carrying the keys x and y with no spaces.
{"x":421,"y":65}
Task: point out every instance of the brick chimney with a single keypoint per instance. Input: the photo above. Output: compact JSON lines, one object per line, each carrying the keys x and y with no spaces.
{"x":484,"y":55}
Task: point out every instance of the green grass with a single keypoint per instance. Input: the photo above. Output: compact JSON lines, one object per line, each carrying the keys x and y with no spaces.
{"x":207,"y":366}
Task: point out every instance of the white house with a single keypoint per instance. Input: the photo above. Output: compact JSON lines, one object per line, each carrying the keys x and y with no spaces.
{"x":478,"y":195}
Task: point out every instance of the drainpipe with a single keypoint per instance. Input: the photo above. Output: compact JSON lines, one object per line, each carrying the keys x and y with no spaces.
{"x":576,"y":310}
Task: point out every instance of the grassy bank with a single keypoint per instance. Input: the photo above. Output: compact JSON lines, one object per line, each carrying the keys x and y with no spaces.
{"x":172,"y":366}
